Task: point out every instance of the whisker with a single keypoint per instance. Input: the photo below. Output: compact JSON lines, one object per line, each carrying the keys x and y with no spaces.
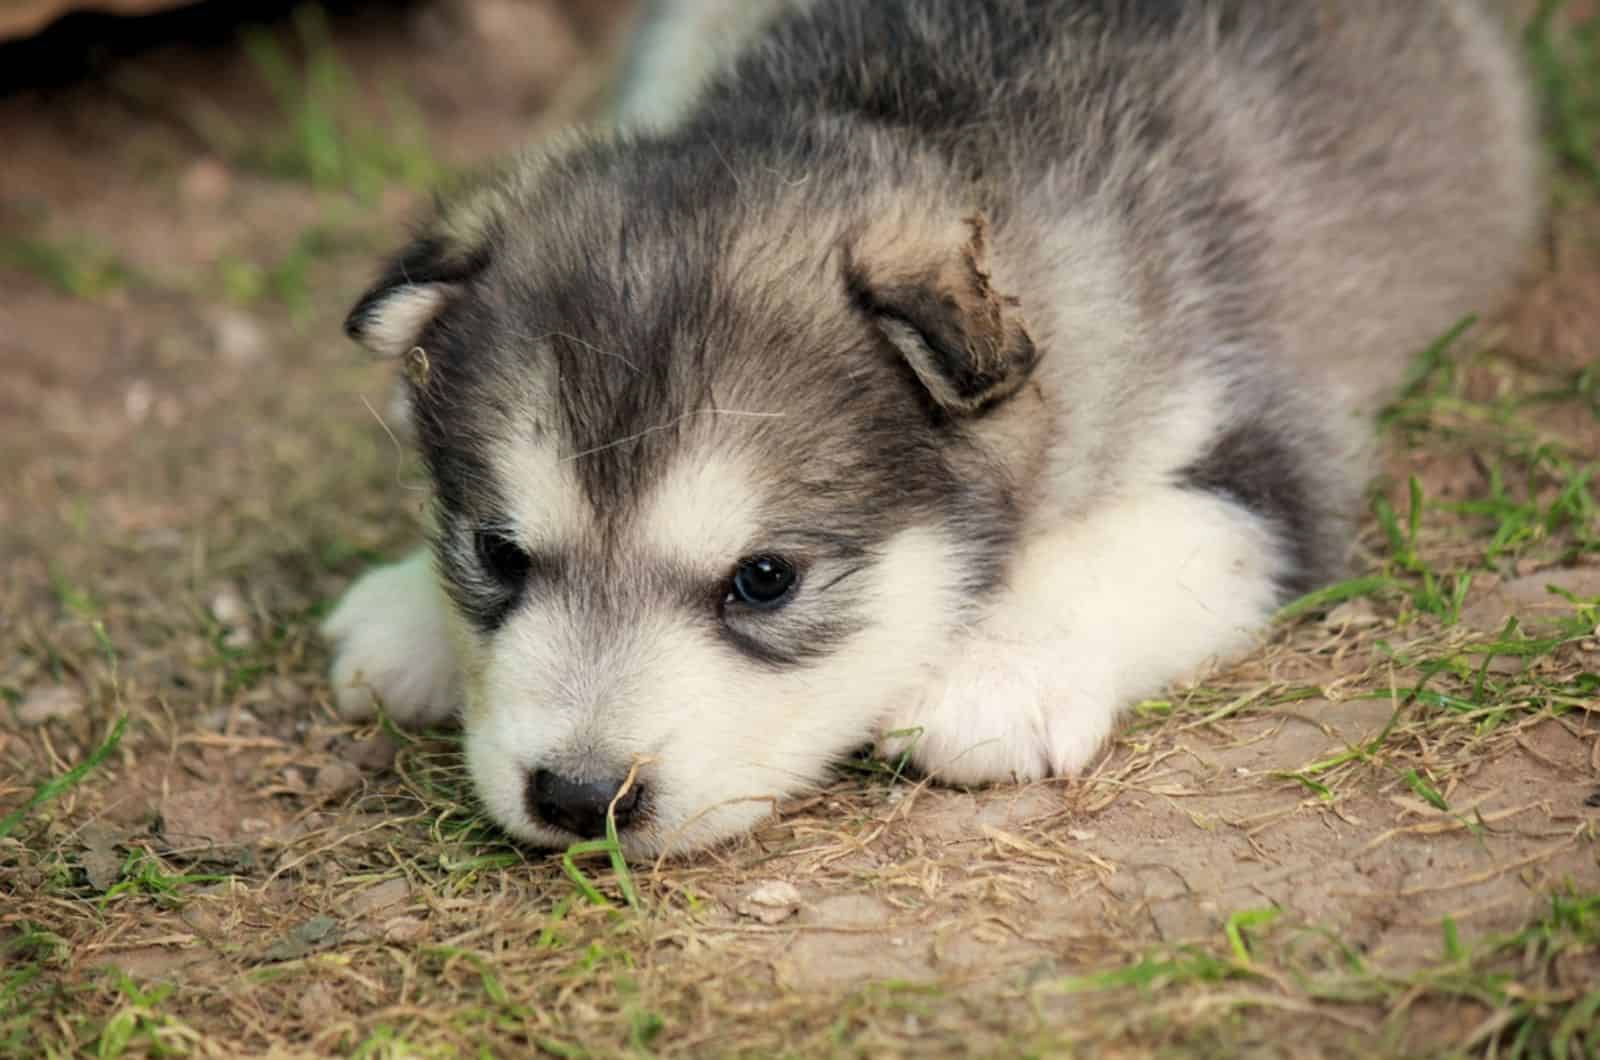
{"x":399,"y":450}
{"x":737,"y":183}
{"x":592,"y":348}
{"x":657,"y":429}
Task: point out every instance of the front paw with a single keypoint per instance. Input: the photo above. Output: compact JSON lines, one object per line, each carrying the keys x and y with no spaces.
{"x":1004,"y":713}
{"x":392,"y":647}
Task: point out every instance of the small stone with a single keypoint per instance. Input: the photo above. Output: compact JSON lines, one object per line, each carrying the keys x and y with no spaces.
{"x":386,"y":894}
{"x":229,"y":719}
{"x":101,"y":858}
{"x":1539,"y":612}
{"x":206,"y":182}
{"x":233,"y":615}
{"x":138,"y":400}
{"x":337,"y":779}
{"x":376,"y":753}
{"x":319,"y":1006}
{"x":56,"y":703}
{"x":201,"y":919}
{"x":238,"y":336}
{"x":771,"y":902}
{"x":404,"y":929}
{"x":1353,"y":614}
{"x":315,"y":934}
{"x":169,"y":411}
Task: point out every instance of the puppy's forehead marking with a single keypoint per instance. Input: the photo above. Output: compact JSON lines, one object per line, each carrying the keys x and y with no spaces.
{"x":704,"y":509}
{"x":543,"y":499}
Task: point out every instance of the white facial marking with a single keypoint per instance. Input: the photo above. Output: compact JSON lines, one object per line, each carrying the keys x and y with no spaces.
{"x":704,"y":510}
{"x":545,"y":503}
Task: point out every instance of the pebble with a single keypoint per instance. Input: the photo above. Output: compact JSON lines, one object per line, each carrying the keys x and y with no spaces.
{"x":233,"y":615}
{"x":336,"y":779}
{"x":404,"y":929}
{"x":771,"y":902}
{"x":56,"y":703}
{"x":238,"y":336}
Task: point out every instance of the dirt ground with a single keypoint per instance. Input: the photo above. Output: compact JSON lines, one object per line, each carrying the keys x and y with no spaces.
{"x":1378,"y":835}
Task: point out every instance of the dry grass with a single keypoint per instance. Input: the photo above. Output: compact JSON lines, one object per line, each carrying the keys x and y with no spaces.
{"x":1376,"y":836}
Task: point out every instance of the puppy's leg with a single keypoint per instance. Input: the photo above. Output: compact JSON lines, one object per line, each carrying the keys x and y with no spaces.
{"x":1095,"y":616}
{"x":392,"y":641}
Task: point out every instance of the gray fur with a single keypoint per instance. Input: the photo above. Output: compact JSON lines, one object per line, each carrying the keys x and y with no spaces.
{"x":1300,"y":194}
{"x":981,"y":264}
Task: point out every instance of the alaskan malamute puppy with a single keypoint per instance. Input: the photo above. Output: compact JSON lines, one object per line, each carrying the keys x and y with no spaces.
{"x":944,"y":373}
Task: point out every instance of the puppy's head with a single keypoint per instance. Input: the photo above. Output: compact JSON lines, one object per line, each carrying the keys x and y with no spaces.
{"x":720,"y":458}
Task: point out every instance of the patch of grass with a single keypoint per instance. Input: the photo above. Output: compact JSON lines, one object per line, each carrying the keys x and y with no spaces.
{"x":1534,"y":1006}
{"x":1539,"y":498}
{"x":290,"y":280}
{"x":327,"y":139}
{"x":72,"y":597}
{"x":1432,"y":593}
{"x":139,"y":1028}
{"x":434,"y":771}
{"x":1519,"y":522}
{"x":143,"y":874}
{"x":1240,"y":924}
{"x":58,"y":786}
{"x":245,"y":664}
{"x":73,"y":267}
{"x":1530,"y":988}
{"x":1157,"y":971}
{"x":27,"y":962}
{"x":1323,"y":599}
{"x":1564,"y":55}
{"x":1477,"y":692}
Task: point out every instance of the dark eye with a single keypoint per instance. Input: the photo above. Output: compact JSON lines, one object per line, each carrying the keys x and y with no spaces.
{"x":503,"y":559}
{"x":763,"y":581}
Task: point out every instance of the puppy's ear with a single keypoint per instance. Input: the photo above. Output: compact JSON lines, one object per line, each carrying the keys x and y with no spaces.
{"x":416,"y":286}
{"x":933,"y":301}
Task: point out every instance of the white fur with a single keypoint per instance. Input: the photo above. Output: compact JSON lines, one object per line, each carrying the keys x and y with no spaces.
{"x":393,"y":645}
{"x":392,"y":326}
{"x":702,"y":510}
{"x":546,"y":502}
{"x":687,"y":42}
{"x":1096,"y":616}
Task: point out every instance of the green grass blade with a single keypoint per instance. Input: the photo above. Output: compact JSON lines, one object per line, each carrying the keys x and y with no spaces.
{"x":58,"y":786}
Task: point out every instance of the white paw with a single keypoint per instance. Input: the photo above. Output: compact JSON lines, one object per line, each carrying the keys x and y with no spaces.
{"x":392,"y":647}
{"x":1005,"y":712}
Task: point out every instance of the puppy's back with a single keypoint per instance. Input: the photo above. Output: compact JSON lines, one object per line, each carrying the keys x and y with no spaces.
{"x":1406,"y":188}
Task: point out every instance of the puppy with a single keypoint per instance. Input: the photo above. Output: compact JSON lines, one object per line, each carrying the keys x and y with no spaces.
{"x":948,"y":374}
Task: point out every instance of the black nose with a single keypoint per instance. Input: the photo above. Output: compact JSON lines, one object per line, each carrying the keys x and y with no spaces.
{"x":579,"y":806}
